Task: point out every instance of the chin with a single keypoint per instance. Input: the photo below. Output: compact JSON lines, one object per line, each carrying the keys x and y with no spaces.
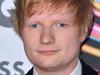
{"x":46,"y":65}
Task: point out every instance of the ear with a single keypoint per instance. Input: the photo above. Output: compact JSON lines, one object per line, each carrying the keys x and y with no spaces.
{"x":83,"y":34}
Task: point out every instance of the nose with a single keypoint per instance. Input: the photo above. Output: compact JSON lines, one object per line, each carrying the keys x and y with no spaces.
{"x":47,"y":37}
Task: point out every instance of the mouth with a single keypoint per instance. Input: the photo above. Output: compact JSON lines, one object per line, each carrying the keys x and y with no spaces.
{"x":48,"y":51}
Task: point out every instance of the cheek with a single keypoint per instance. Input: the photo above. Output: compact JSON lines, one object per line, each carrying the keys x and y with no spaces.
{"x":69,"y":45}
{"x":30,"y":39}
{"x":30,"y":42}
{"x":68,"y":37}
{"x":69,"y":42}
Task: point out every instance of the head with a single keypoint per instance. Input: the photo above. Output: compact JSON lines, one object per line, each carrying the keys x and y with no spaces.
{"x":52,"y":30}
{"x":29,"y":7}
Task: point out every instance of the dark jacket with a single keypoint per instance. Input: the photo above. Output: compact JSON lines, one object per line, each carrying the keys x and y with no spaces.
{"x":86,"y":70}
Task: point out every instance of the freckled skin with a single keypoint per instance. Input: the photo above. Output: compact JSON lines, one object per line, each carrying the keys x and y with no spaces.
{"x":49,"y":45}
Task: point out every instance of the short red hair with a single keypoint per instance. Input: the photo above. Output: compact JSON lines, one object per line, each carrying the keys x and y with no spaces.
{"x":83,"y":9}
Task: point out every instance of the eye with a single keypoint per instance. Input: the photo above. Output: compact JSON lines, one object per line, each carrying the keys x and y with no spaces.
{"x":61,"y":25}
{"x":35,"y":26}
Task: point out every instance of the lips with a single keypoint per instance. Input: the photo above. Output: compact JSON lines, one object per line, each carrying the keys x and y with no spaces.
{"x":48,"y":51}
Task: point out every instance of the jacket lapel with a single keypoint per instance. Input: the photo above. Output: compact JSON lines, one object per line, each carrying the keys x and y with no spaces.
{"x":30,"y":72}
{"x":87,"y":70}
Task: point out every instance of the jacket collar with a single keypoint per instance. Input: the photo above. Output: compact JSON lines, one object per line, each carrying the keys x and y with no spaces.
{"x":86,"y":70}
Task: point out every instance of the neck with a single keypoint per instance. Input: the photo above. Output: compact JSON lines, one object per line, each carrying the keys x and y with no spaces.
{"x":65,"y":70}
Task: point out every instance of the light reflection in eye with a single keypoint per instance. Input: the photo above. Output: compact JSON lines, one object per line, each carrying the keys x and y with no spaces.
{"x":36,"y":26}
{"x":60,"y":25}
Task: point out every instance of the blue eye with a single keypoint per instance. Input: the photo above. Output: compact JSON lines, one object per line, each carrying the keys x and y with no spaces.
{"x":36,"y":26}
{"x":60,"y":25}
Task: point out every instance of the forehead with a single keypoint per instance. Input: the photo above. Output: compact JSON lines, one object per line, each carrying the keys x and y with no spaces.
{"x":60,"y":14}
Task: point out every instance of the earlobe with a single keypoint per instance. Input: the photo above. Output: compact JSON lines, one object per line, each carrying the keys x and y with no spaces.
{"x":84,"y":34}
{"x":83,"y":37}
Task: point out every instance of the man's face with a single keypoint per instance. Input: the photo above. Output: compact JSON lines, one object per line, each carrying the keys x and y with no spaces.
{"x":51,"y":40}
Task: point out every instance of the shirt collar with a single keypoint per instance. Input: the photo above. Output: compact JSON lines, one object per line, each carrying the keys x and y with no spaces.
{"x":35,"y":72}
{"x":76,"y":71}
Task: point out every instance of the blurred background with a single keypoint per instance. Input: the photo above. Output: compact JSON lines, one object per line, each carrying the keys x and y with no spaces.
{"x":13,"y":60}
{"x":91,"y":50}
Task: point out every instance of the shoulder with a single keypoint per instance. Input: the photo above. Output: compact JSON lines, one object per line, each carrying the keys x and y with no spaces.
{"x":30,"y":72}
{"x":87,"y":70}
